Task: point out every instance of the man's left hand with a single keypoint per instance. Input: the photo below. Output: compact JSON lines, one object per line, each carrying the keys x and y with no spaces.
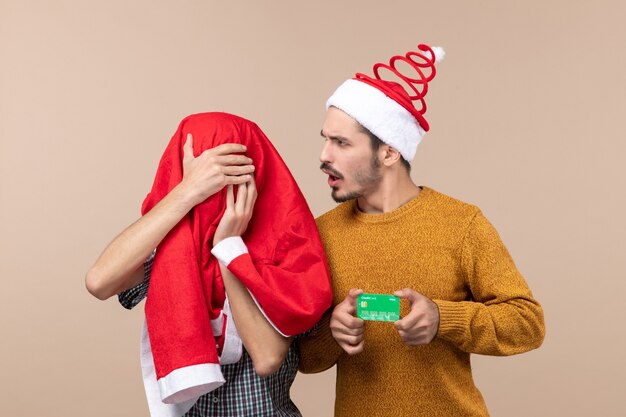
{"x":420,"y":326}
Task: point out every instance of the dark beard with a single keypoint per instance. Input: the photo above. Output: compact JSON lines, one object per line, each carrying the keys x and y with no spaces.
{"x":344,"y":198}
{"x":367,"y":180}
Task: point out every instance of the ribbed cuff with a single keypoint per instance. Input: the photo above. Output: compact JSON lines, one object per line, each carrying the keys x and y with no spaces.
{"x":452,"y":319}
{"x":228,"y":249}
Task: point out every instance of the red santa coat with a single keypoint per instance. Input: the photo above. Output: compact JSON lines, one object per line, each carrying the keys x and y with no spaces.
{"x":282,"y":263}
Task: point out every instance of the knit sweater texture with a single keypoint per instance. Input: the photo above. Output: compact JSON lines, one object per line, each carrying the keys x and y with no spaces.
{"x":447,"y":250}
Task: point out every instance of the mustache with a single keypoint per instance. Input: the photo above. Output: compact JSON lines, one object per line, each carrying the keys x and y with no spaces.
{"x":330,"y":170}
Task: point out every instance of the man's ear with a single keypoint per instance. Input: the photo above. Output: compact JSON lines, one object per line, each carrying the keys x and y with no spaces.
{"x":390,"y":155}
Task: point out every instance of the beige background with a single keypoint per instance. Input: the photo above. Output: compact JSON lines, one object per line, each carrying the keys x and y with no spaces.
{"x":526,"y":115}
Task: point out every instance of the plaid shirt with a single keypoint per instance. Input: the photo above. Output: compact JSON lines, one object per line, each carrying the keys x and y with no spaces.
{"x":244,"y":393}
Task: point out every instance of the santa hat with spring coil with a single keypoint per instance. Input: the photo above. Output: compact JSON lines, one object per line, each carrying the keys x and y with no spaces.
{"x":384,"y":107}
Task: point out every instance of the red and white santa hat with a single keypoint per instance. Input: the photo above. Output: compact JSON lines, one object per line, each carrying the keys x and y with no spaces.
{"x":384,"y":107}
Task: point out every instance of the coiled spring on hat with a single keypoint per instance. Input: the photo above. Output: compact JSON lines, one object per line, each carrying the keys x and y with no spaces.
{"x":421,"y":60}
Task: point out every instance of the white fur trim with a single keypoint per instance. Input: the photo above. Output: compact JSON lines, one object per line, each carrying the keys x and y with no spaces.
{"x":228,"y":249}
{"x":217,"y":324}
{"x":233,"y":347}
{"x":190,"y":382}
{"x":381,"y":115}
{"x":156,"y":402}
{"x":440,"y":54}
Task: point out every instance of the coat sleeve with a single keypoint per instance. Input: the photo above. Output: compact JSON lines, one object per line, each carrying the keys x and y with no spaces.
{"x":503,"y":318}
{"x":292,"y":289}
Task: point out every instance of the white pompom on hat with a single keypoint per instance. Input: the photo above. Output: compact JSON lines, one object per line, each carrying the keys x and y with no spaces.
{"x":384,"y":107}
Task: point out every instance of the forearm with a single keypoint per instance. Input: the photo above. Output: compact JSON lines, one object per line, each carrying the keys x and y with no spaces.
{"x":500,"y":329}
{"x":266,"y":347}
{"x":503,"y":317}
{"x":119,"y":267}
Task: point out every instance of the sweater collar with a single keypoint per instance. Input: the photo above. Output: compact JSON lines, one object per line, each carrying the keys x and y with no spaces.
{"x":392,"y":215}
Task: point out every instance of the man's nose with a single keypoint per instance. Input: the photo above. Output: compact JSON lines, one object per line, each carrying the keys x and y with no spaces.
{"x":325,"y":155}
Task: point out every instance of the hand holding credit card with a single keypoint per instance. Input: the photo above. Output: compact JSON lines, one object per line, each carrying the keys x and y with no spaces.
{"x":378,"y":307}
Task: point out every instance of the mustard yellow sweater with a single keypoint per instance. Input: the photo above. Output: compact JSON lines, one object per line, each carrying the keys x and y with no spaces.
{"x":446,"y":250}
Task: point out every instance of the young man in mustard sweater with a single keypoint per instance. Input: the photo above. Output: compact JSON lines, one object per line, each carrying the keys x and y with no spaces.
{"x":389,"y":236}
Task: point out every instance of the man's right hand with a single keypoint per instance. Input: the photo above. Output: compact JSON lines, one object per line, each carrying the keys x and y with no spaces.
{"x":347,"y":329}
{"x":213,"y":169}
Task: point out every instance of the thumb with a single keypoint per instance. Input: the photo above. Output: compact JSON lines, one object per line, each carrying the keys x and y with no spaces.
{"x":353,"y":294}
{"x":407,"y":294}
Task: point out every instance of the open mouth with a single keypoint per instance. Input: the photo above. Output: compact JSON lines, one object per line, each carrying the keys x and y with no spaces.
{"x":332,"y":180}
{"x":333,"y":177}
{"x":332,"y":174}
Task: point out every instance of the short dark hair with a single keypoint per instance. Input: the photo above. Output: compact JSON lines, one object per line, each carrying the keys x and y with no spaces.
{"x":375,"y":142}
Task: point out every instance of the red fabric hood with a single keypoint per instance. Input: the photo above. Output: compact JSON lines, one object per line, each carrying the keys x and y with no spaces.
{"x":286,"y":269}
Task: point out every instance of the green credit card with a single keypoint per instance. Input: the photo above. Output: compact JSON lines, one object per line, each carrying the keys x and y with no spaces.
{"x":378,"y":307}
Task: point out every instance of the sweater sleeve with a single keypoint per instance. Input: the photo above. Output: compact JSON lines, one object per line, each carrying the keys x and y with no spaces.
{"x":502,"y":318}
{"x":318,"y":349}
